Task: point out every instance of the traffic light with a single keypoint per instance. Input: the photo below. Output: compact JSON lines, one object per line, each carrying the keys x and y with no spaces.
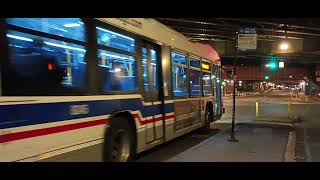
{"x":266,"y":77}
{"x":272,"y":65}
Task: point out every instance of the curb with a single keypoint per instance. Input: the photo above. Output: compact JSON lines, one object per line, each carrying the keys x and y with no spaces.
{"x":280,"y":125}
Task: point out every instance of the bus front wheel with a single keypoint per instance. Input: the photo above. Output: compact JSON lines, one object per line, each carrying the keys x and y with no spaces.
{"x":118,"y":141}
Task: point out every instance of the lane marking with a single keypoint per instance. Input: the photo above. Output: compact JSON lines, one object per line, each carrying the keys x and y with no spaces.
{"x":307,"y":146}
{"x":289,"y":155}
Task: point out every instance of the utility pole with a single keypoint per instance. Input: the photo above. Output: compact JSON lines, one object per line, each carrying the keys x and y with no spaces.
{"x":232,"y":135}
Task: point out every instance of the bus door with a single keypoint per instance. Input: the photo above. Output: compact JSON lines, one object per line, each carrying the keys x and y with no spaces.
{"x":153,"y":95}
{"x":217,"y":90}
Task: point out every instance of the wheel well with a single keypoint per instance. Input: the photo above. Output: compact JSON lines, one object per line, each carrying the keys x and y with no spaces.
{"x":128,"y":116}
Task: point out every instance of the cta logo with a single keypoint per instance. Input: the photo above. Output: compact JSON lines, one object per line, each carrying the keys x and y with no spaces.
{"x":79,"y":109}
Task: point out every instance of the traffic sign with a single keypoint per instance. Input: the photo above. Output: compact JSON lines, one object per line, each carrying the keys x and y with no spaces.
{"x":281,"y":64}
{"x":247,"y":39}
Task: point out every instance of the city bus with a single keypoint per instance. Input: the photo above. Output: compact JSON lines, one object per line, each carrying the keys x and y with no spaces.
{"x":129,"y":84}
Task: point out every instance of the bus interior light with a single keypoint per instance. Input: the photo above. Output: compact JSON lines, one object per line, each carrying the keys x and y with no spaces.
{"x":19,"y":37}
{"x":72,"y":25}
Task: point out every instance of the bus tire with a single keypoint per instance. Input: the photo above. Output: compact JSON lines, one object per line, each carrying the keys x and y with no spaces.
{"x":119,"y":141}
{"x":208,"y":117}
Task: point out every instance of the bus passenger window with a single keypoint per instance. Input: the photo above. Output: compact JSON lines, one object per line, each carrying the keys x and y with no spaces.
{"x":195,"y":80}
{"x":178,"y":58}
{"x":180,"y":75}
{"x":154,"y":71}
{"x":72,"y":28}
{"x":206,"y":80}
{"x":214,"y":79}
{"x":145,"y":70}
{"x":195,"y":63}
{"x":119,"y":71}
{"x":195,"y":77}
{"x":41,"y":66}
{"x":115,"y":40}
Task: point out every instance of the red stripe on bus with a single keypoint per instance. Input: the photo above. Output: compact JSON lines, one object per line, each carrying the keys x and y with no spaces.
{"x":151,"y":120}
{"x":50,"y":130}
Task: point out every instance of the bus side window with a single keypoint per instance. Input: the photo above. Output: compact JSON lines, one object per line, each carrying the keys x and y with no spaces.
{"x":179,"y":75}
{"x":72,"y":28}
{"x":44,"y":66}
{"x":195,"y":76}
{"x":119,"y":69}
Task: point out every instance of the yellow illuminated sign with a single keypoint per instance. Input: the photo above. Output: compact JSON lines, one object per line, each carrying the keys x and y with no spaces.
{"x":205,"y":66}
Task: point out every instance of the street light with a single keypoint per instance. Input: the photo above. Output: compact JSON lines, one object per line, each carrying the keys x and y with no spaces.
{"x":284,"y":46}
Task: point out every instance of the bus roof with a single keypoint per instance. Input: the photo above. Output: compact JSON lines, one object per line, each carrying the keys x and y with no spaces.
{"x":163,"y":34}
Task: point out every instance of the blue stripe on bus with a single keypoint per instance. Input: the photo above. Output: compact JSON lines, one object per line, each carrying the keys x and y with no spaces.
{"x":30,"y":114}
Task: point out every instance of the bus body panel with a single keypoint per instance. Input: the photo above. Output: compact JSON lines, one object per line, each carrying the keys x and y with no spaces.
{"x":33,"y":128}
{"x":38,"y":128}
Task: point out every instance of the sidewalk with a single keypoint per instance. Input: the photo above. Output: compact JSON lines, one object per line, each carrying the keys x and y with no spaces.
{"x":257,"y":143}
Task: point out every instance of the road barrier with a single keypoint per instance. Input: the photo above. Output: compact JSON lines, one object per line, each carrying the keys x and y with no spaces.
{"x":275,"y":112}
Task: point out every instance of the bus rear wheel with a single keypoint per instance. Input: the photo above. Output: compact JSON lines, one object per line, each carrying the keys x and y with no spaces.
{"x":118,"y":141}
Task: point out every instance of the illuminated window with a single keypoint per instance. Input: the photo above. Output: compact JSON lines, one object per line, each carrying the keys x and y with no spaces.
{"x":205,"y":66}
{"x":41,"y":66}
{"x":116,"y":40}
{"x":118,"y":71}
{"x":154,"y":71}
{"x":178,"y":58}
{"x":180,"y":81}
{"x":195,"y":80}
{"x":206,"y":81}
{"x":195,"y":76}
{"x":180,"y":75}
{"x":145,"y":70}
{"x":72,"y":28}
{"x":194,"y":62}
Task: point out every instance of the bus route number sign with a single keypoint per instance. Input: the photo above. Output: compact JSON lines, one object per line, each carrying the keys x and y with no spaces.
{"x":247,"y":39}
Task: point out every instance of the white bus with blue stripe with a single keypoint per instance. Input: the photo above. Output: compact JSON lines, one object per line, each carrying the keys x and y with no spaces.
{"x":128,"y":84}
